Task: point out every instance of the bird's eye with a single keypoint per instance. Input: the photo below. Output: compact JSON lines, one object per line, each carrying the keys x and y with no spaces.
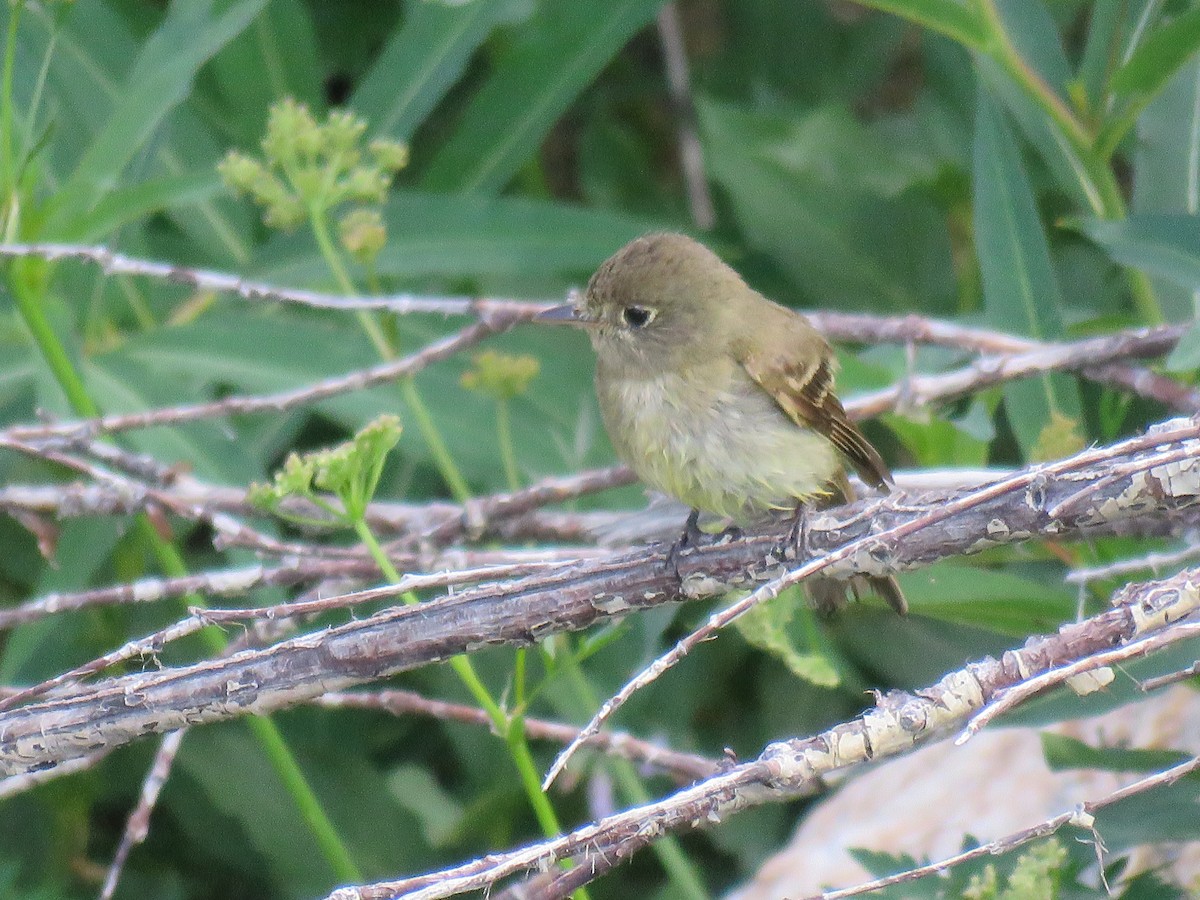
{"x":637,"y":316}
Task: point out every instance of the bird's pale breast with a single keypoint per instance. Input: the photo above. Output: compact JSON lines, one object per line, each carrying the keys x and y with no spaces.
{"x":714,"y":440}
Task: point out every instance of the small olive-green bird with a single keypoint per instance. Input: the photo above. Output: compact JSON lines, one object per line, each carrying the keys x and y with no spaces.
{"x":714,"y":394}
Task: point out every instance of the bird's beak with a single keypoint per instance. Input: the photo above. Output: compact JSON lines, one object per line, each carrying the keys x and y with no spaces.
{"x":567,"y":314}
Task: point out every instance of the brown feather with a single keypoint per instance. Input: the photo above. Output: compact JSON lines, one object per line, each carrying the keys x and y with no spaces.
{"x":802,"y":386}
{"x":803,"y":389}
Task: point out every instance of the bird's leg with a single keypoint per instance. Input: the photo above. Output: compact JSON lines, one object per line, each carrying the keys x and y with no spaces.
{"x":798,"y":534}
{"x":690,"y":538}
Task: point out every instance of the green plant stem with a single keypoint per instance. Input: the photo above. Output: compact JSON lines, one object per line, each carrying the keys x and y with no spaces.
{"x":9,"y":185}
{"x":511,"y":728}
{"x":433,"y":439}
{"x":508,"y":455}
{"x":266,"y":732}
{"x":679,"y":868}
{"x":412,"y":398}
{"x":172,"y":564}
{"x":51,"y":348}
{"x":1099,"y":182}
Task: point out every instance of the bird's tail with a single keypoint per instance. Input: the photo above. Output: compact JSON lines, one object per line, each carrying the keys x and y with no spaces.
{"x":830,"y":593}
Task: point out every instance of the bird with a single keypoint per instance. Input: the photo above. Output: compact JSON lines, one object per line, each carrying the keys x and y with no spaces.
{"x":716,"y":395}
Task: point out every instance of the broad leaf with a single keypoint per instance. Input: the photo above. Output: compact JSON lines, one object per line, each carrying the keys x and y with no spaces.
{"x":557,"y":54}
{"x":1020,"y":290}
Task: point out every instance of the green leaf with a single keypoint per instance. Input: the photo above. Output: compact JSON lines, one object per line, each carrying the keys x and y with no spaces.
{"x":826,"y":222}
{"x":556,"y":55}
{"x":1035,"y":37}
{"x":277,"y":56}
{"x":1003,"y":600}
{"x":1186,"y":355}
{"x":1158,"y":243}
{"x":1103,"y":33}
{"x":1064,"y":753}
{"x":132,"y":202}
{"x":93,"y":51}
{"x":162,"y":76}
{"x":475,"y":237}
{"x":769,"y":627}
{"x":425,"y":57}
{"x":1020,"y":290}
{"x":1159,"y":57}
{"x":946,"y":16}
{"x":1166,"y":170}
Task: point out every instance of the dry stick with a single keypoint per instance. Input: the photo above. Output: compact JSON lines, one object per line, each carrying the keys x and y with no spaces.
{"x":200,"y":617}
{"x":137,"y":826}
{"x":840,"y":326}
{"x":1153,"y":684}
{"x":891,"y":536}
{"x":1009,"y":699}
{"x":1155,"y":562}
{"x":118,"y":264}
{"x":284,"y":400}
{"x":125,"y":708}
{"x":221,"y":583}
{"x":912,"y":329}
{"x":19,"y":784}
{"x":792,"y":768}
{"x":1082,"y":817}
{"x":922,"y":390}
{"x":691,"y":154}
{"x":685,"y":767}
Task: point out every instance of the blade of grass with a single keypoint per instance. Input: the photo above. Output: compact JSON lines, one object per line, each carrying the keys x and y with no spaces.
{"x":1020,"y":290}
{"x":425,"y":57}
{"x":557,"y":55}
{"x":162,"y":76}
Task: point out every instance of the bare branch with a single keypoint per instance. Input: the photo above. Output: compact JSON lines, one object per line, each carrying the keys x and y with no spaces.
{"x":922,"y":390}
{"x":121,"y":709}
{"x":113,"y":263}
{"x":685,"y":767}
{"x":1009,"y":699}
{"x":83,"y":429}
{"x":793,"y":768}
{"x":691,"y":153}
{"x":1082,"y":817}
{"x":881,"y":542}
{"x":138,"y":824}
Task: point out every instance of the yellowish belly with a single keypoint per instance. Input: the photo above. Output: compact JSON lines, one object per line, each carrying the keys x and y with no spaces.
{"x":729,"y":451}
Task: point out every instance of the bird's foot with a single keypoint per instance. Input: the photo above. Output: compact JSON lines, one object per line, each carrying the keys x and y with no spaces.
{"x":797,"y":538}
{"x":692,"y":537}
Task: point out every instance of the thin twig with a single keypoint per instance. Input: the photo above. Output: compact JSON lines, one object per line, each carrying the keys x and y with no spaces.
{"x":1155,"y":562}
{"x":1081,"y":817}
{"x":394,"y":640}
{"x":923,"y":390}
{"x":686,"y":767}
{"x":137,"y":826}
{"x":889,"y":537}
{"x":1013,"y":697}
{"x":113,"y":263}
{"x":691,"y":153}
{"x":244,"y":405}
{"x":788,"y":769}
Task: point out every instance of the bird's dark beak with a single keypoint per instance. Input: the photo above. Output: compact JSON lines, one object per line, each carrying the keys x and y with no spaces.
{"x":567,"y":314}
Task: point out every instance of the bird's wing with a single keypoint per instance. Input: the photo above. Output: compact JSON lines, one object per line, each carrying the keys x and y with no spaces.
{"x":803,"y":389}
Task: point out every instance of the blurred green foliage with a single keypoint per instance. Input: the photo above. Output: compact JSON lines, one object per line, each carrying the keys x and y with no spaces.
{"x":1028,"y":166}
